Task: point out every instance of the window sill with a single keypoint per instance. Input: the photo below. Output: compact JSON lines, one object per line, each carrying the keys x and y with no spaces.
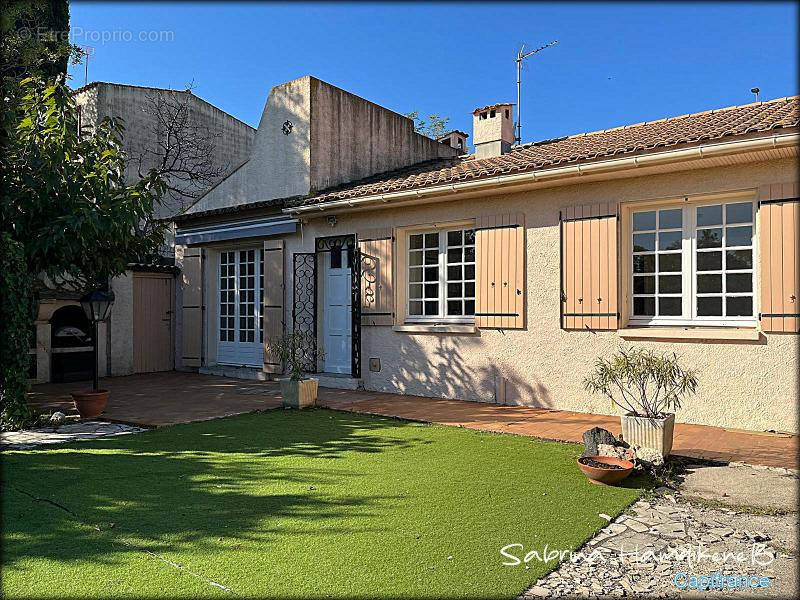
{"x":675,"y":332}
{"x":436,"y":328}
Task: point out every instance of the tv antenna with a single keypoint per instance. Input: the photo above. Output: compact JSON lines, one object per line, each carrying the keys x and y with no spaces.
{"x":521,"y":56}
{"x":87,"y":51}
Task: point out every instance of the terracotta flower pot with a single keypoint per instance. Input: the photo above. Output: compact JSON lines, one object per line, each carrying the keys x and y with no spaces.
{"x":609,"y":476}
{"x":90,"y":403}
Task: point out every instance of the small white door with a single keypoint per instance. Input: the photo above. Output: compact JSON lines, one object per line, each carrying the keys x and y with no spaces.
{"x":240,"y":284}
{"x":337,"y":313}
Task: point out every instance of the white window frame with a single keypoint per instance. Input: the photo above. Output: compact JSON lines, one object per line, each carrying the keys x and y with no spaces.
{"x":258,"y":293}
{"x":689,"y":266}
{"x":442,"y":317}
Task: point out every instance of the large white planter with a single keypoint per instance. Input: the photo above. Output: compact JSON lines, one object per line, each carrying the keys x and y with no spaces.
{"x":299,"y":394}
{"x":649,"y":433}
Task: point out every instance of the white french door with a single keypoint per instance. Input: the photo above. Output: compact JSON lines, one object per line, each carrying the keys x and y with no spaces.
{"x":337,"y":311}
{"x":240,"y":308}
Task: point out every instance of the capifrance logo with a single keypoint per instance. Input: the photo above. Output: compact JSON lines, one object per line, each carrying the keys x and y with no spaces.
{"x":718,"y":581}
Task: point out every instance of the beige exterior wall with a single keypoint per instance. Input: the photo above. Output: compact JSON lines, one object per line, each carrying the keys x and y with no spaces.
{"x":749,"y":385}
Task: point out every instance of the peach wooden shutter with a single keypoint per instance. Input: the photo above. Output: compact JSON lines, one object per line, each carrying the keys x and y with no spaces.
{"x":500,"y":271}
{"x":192,"y":307}
{"x":779,"y":248}
{"x":589,"y":267}
{"x":377,"y":292}
{"x":272,"y":301}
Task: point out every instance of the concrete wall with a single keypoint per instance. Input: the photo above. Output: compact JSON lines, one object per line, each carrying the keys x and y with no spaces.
{"x":335,"y":137}
{"x":742,"y":385}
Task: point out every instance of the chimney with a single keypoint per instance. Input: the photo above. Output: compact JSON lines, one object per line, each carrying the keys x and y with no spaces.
{"x":492,"y":130}
{"x":455,"y":139}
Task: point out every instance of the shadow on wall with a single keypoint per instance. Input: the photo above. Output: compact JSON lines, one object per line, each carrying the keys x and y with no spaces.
{"x":459,"y":367}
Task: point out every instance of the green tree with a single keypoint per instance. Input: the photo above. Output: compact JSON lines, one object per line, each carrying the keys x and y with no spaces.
{"x":66,"y":202}
{"x":434,"y":127}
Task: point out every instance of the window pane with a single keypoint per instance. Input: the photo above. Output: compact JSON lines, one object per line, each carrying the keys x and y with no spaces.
{"x":454,"y":307}
{"x":645,"y":307}
{"x":739,"y":282}
{"x":336,"y":258}
{"x":709,"y":307}
{"x":709,"y":238}
{"x":739,"y":212}
{"x":644,"y":285}
{"x":415,"y":258}
{"x":669,"y":240}
{"x":709,"y":261}
{"x":469,"y":290}
{"x":670,"y":219}
{"x":469,"y":271}
{"x":709,"y":284}
{"x":415,"y":241}
{"x":709,"y":215}
{"x":739,"y":236}
{"x":644,"y":242}
{"x":454,"y":238}
{"x":415,"y":308}
{"x":739,"y":306}
{"x":454,"y":255}
{"x":669,"y":262}
{"x":415,"y":275}
{"x":469,"y":307}
{"x":642,"y":221}
{"x":431,"y":290}
{"x":454,"y":272}
{"x":645,"y":263}
{"x":469,"y":236}
{"x":669,"y":306}
{"x":415,"y":290}
{"x":469,"y":254}
{"x":431,"y":257}
{"x":431,"y":273}
{"x":738,"y":259}
{"x":431,"y":240}
{"x":669,"y":284}
{"x":454,"y":290}
{"x":431,"y":309}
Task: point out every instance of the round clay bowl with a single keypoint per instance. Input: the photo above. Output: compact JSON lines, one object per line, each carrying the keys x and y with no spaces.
{"x":90,"y":403}
{"x":607,"y":476}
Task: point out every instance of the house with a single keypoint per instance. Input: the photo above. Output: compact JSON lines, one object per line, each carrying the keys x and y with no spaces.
{"x":501,"y":276}
{"x":141,"y":334}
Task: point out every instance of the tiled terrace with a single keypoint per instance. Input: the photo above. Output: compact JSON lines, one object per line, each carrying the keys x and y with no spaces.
{"x":168,"y":398}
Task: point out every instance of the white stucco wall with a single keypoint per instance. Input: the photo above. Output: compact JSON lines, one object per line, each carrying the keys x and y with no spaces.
{"x":742,"y":385}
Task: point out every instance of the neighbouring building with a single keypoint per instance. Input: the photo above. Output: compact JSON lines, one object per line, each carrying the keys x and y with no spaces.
{"x":502,"y":275}
{"x":144,"y":328}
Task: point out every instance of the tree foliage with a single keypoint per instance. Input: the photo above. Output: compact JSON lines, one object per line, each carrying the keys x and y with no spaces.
{"x":642,"y":382}
{"x":434,"y":127}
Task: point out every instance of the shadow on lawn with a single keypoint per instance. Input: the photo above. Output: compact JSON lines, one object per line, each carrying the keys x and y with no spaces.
{"x":205,"y":485}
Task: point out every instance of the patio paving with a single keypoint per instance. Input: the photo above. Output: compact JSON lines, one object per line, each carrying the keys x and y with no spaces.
{"x":159,"y":399}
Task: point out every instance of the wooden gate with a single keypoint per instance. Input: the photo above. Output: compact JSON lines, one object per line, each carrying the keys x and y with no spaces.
{"x":153,"y":322}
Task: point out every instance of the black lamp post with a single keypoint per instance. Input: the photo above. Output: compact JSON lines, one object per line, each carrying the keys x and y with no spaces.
{"x":97,"y":306}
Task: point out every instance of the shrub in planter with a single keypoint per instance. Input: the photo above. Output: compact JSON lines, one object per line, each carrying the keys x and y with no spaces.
{"x":649,"y":387}
{"x":296,"y":349}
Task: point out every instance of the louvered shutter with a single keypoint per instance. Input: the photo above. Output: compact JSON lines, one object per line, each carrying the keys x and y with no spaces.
{"x":272,"y":301}
{"x":192,"y":307}
{"x":589,"y":267}
{"x":376,"y":248}
{"x":779,"y":248}
{"x":500,"y":271}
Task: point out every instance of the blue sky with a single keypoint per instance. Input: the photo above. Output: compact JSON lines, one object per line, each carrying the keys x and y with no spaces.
{"x":615,"y":64}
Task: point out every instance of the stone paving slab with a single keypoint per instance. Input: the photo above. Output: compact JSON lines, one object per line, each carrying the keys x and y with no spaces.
{"x":84,"y":430}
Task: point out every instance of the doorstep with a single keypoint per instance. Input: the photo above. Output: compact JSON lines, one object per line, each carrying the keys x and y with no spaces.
{"x":339,"y":381}
{"x":251,"y":373}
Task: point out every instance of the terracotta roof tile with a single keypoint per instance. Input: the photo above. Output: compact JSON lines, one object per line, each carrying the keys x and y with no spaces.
{"x":693,"y":128}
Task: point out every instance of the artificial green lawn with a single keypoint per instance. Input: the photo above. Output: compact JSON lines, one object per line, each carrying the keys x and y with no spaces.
{"x":293,"y":504}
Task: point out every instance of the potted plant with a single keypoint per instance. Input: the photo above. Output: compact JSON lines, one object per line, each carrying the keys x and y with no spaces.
{"x":296,"y":349}
{"x":648,"y":387}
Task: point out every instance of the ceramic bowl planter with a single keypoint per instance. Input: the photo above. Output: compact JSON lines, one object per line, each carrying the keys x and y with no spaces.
{"x":647,"y":432}
{"x":605,"y":470}
{"x":90,"y":403}
{"x":299,"y":394}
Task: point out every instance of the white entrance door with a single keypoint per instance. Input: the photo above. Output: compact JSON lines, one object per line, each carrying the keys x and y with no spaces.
{"x":337,"y":313}
{"x":239,"y":308}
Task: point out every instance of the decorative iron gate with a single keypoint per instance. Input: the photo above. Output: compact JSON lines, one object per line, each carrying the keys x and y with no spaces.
{"x":305,"y":298}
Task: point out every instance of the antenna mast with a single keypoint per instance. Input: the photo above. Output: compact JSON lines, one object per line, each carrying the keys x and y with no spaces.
{"x":521,"y":56}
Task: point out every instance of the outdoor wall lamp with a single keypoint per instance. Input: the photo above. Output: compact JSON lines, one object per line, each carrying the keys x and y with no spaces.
{"x":97,"y":306}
